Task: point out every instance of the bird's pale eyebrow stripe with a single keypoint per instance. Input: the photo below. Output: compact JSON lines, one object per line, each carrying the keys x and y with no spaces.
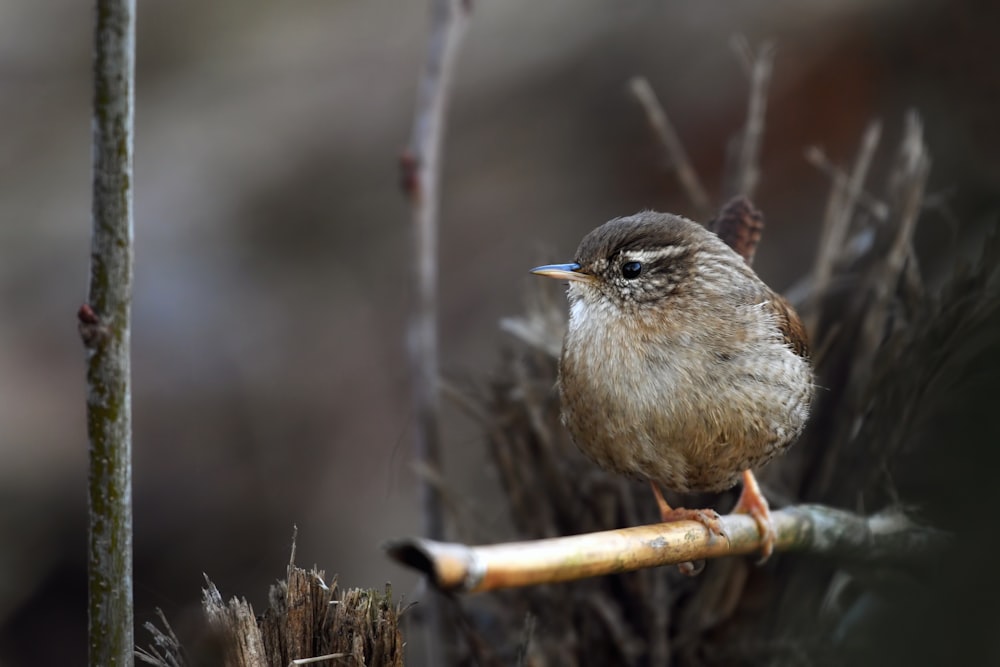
{"x":655,"y":254}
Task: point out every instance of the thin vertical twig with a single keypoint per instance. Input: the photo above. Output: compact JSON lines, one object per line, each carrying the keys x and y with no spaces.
{"x":913,"y":166}
{"x":421,"y":166}
{"x":665,"y":132}
{"x":104,"y":327}
{"x":871,"y":204}
{"x":845,"y":195}
{"x":747,"y":173}
{"x":421,"y":172}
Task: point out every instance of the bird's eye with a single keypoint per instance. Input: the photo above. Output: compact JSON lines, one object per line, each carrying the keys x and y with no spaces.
{"x":631,"y":270}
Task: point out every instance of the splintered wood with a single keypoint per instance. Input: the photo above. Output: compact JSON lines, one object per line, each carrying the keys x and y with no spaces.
{"x":307,"y":622}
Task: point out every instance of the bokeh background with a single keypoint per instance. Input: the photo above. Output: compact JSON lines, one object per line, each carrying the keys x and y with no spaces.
{"x":272,"y":244}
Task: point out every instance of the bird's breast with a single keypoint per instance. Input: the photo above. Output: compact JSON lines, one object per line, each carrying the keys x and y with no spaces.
{"x":654,"y":400}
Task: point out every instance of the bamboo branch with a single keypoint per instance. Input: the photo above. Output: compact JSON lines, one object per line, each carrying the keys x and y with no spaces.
{"x":665,"y":132}
{"x":104,"y":328}
{"x":885,"y":537}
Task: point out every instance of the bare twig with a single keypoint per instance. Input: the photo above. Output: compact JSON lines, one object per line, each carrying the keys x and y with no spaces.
{"x":104,"y":327}
{"x":421,"y":167}
{"x":884,"y":537}
{"x":665,"y":132}
{"x":871,"y":204}
{"x":526,"y":637}
{"x":845,"y":194}
{"x":913,"y":168}
{"x":741,"y":48}
{"x":748,"y":160}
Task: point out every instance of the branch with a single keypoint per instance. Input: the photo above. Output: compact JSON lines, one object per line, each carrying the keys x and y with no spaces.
{"x":421,"y":171}
{"x":845,"y":194}
{"x":667,"y":135}
{"x":748,"y":159}
{"x":871,"y":204}
{"x":885,"y":537}
{"x":421,"y":167}
{"x":909,"y":179}
{"x":104,"y":327}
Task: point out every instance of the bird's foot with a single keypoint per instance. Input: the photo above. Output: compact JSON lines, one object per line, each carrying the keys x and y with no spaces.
{"x":708,"y":518}
{"x":753,"y":502}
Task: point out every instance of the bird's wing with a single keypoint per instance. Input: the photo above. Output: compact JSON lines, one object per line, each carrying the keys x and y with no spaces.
{"x":791,"y":327}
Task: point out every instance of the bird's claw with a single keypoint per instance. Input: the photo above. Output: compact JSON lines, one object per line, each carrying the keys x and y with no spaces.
{"x":708,"y":518}
{"x":753,"y":502}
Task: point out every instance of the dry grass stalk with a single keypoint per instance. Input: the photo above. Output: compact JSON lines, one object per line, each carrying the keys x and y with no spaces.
{"x":166,"y":649}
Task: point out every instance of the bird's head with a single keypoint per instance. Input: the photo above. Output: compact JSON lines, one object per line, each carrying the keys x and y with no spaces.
{"x":638,"y":261}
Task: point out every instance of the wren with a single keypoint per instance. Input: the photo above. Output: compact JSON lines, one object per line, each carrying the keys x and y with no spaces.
{"x":679,"y":365}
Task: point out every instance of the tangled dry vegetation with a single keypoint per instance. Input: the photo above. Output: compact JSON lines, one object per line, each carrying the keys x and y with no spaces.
{"x":901,"y":421}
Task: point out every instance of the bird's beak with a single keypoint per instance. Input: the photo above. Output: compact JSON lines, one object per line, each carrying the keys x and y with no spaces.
{"x":563,"y":272}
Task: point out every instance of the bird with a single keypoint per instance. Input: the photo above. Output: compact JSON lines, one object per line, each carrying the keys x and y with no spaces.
{"x":679,"y":365}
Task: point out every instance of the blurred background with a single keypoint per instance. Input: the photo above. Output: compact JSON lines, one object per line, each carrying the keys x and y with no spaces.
{"x":272,"y":270}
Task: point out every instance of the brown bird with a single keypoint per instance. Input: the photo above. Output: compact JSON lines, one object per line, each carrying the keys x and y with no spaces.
{"x":680,"y":366}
